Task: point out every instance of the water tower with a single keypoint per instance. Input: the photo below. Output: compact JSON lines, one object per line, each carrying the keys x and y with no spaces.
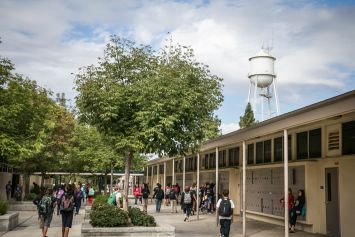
{"x":262,"y":87}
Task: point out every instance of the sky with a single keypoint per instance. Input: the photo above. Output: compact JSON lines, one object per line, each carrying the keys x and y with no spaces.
{"x":313,"y":42}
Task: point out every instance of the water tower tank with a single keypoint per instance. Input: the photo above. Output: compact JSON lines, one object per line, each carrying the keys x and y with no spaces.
{"x":262,"y":69}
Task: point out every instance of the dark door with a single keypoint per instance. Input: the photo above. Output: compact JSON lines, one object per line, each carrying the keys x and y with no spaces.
{"x":332,"y":201}
{"x":15,"y":182}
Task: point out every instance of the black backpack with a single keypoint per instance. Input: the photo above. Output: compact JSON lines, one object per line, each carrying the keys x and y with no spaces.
{"x":172,"y":194}
{"x":145,"y":193}
{"x":160,"y":194}
{"x":225,"y":208}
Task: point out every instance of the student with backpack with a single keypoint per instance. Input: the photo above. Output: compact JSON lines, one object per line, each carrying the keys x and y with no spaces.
{"x":91,"y":194}
{"x":167,"y":192}
{"x":225,"y":208}
{"x":173,"y":198}
{"x":58,"y":197}
{"x":77,"y":198}
{"x":46,"y":208}
{"x":67,"y":211}
{"x":145,"y":196}
{"x":158,"y":195}
{"x":186,"y":202}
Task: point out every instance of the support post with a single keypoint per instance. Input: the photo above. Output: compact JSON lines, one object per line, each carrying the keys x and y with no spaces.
{"x":216,"y":187}
{"x":183,"y":173}
{"x":152,"y":181}
{"x":198,"y":186}
{"x":276,"y":98}
{"x":243,"y":193}
{"x":286,"y":181}
{"x":147,"y":178}
{"x":158,"y":173}
{"x":164,"y":180}
{"x":173,"y":178}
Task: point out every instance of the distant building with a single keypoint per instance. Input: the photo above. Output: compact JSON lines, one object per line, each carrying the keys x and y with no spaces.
{"x":321,"y":148}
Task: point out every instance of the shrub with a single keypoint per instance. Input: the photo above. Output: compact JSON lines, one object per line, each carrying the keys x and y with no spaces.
{"x":30,"y":196}
{"x":3,"y":207}
{"x":105,"y":215}
{"x":101,"y":198}
{"x":140,"y":218}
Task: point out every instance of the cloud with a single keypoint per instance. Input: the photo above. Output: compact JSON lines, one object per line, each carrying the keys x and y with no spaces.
{"x":229,"y":127}
{"x":313,"y":44}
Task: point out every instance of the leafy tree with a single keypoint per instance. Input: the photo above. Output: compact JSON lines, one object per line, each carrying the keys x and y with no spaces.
{"x":248,"y":118}
{"x":146,"y":102}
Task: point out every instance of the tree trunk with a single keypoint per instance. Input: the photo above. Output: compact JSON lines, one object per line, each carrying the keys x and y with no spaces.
{"x":111,"y":183}
{"x":27,"y":183}
{"x":126,"y":180}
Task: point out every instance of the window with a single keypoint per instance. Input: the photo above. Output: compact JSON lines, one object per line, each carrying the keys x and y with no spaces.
{"x":161,"y":169}
{"x":278,"y":148}
{"x":309,"y":144}
{"x":267,"y":151}
{"x":212,"y":160}
{"x":222,"y":158}
{"x":150,"y":171}
{"x":259,"y":152}
{"x":315,"y":143}
{"x":176,"y":166}
{"x":233,"y":156}
{"x":206,"y":161}
{"x":251,"y":154}
{"x":155,"y":169}
{"x":348,"y":138}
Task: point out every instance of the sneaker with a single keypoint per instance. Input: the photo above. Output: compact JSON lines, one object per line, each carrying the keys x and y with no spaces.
{"x":185,"y":219}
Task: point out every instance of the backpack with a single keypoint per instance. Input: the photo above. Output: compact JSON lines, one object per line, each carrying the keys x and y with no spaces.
{"x":112,"y":199}
{"x":67,"y":204}
{"x":159,"y":195}
{"x":172,"y":194}
{"x":78,"y":195}
{"x":145,"y":192}
{"x":187,"y":198}
{"x":44,"y":205}
{"x":91,"y":192}
{"x":225,"y":208}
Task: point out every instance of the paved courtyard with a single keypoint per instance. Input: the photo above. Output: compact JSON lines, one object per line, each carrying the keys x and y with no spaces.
{"x":206,"y":226}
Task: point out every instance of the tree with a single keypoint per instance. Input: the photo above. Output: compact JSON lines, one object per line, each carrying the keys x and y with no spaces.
{"x":248,"y":118}
{"x":147,"y":102}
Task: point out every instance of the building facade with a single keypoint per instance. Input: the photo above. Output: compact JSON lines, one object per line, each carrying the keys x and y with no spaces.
{"x":321,"y":160}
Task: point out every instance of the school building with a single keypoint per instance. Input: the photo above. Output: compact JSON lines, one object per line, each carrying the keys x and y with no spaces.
{"x":321,"y":160}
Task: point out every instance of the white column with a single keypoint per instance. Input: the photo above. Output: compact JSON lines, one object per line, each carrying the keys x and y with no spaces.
{"x":158,"y":173}
{"x":198,"y":186}
{"x":147,"y":178}
{"x":173,"y":179}
{"x":216,"y":176}
{"x":286,"y":181}
{"x":164,"y":180}
{"x":243,"y":201}
{"x":183,"y":173}
{"x":152,"y":181}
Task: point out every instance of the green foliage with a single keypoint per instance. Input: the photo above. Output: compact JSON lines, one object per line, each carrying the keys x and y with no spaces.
{"x":30,"y":196}
{"x":106,"y":215}
{"x":3,"y":207}
{"x":99,"y":200}
{"x":248,"y":118}
{"x":140,"y":218}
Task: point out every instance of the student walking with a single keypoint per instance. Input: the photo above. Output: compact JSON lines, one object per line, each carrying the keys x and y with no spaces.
{"x":173,"y":198}
{"x":225,"y":208}
{"x":158,"y":195}
{"x":67,"y":212}
{"x":145,"y":196}
{"x":186,"y":202}
{"x":8,"y":189}
{"x":297,"y":209}
{"x":46,"y":208}
{"x":77,"y":198}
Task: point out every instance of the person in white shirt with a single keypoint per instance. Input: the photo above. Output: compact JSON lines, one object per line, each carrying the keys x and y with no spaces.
{"x":118,"y":197}
{"x":225,"y":208}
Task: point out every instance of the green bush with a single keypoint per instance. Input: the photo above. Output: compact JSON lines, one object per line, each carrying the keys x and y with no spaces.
{"x":3,"y":207}
{"x":105,"y":215}
{"x":30,"y":196}
{"x":101,"y":198}
{"x":140,"y":218}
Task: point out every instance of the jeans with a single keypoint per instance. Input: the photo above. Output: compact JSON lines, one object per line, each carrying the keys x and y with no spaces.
{"x":77,"y":206}
{"x":225,"y":227}
{"x":158,"y":205}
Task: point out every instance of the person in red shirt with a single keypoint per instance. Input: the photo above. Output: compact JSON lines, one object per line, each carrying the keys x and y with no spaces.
{"x":291,"y":201}
{"x":137,"y":192}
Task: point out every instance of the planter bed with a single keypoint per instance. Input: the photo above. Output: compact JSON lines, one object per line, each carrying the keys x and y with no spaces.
{"x":9,"y":221}
{"x":22,"y":206}
{"x":162,"y":231}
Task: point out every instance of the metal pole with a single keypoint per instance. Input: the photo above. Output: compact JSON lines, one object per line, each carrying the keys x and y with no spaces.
{"x":243,"y":201}
{"x":276,"y":98}
{"x":152,"y":178}
{"x":173,"y":179}
{"x":286,"y":181}
{"x":164,"y":180}
{"x":183,"y":173}
{"x":158,"y":172}
{"x":147,"y":179}
{"x":250,"y":88}
{"x":198,"y":186}
{"x":217,"y":156}
{"x":255,"y":91}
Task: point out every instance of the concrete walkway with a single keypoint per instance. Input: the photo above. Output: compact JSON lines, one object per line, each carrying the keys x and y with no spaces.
{"x":205,"y":227}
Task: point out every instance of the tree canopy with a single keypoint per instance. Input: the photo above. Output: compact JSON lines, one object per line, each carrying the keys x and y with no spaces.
{"x":248,"y":118}
{"x":149,"y":102}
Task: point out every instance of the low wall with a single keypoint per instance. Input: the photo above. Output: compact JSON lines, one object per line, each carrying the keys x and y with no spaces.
{"x":22,"y":206}
{"x":139,"y":231}
{"x":87,"y":212}
{"x":9,"y":221}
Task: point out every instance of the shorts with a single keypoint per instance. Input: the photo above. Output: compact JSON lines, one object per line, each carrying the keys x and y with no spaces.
{"x":45,"y":221}
{"x":167,"y":196}
{"x":67,"y":219}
